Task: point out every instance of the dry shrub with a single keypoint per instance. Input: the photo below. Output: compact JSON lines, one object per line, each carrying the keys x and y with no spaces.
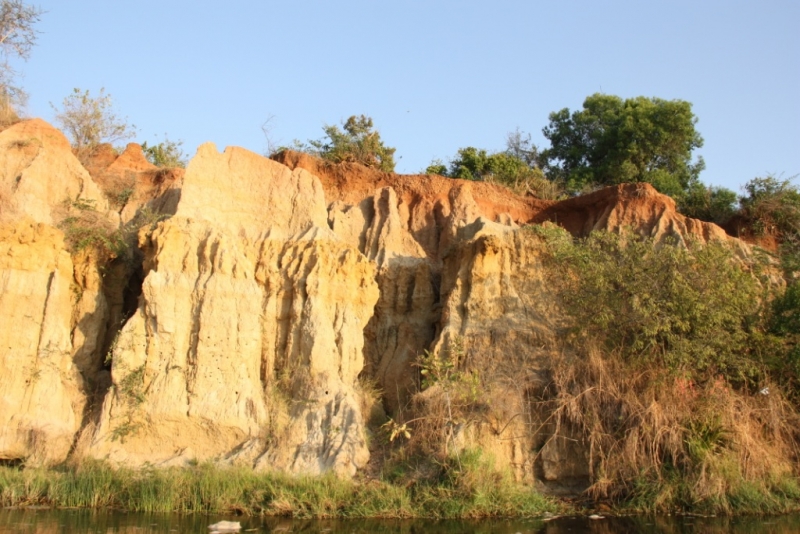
{"x":669,"y":440}
{"x":438,"y":419}
{"x":533,"y":184}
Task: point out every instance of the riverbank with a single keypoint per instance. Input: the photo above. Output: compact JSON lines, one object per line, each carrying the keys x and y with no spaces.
{"x":210,"y":489}
{"x":472,"y":492}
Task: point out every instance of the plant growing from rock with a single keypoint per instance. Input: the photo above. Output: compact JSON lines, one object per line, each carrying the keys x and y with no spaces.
{"x":86,"y":229}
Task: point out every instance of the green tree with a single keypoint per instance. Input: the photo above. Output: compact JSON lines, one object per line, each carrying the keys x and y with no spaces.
{"x":358,"y":142}
{"x":613,"y":141}
{"x":90,"y":121}
{"x":17,"y":38}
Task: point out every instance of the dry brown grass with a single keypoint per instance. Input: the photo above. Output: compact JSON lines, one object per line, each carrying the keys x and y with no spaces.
{"x":533,"y":185}
{"x":646,"y":425}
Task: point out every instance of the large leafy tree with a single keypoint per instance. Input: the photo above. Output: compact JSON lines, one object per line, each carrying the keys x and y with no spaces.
{"x":612,"y":141}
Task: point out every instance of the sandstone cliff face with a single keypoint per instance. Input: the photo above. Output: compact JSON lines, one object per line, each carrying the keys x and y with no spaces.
{"x":248,"y":340}
{"x":41,"y":397}
{"x":53,"y":308}
{"x":39,"y":173}
{"x":407,"y":224}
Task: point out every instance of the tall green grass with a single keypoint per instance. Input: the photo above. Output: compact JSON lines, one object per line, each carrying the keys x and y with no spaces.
{"x":213,"y":489}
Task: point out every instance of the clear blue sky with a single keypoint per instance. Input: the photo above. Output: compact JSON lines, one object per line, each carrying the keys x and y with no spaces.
{"x":434,"y":75}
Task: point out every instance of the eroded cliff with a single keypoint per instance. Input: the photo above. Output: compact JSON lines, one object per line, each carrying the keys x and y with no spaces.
{"x":256,"y":299}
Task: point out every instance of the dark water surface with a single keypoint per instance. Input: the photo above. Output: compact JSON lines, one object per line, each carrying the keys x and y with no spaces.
{"x":85,"y":521}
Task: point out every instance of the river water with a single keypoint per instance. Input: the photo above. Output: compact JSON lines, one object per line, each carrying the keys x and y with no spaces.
{"x":47,"y":521}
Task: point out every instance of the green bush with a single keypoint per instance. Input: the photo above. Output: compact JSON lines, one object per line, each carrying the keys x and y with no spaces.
{"x":686,"y":309}
{"x":772,"y":206}
{"x":667,"y":371}
{"x":357,"y":143}
{"x":167,"y":153}
{"x":85,"y":228}
{"x":708,"y":203}
{"x":785,"y":324}
{"x":516,"y":167}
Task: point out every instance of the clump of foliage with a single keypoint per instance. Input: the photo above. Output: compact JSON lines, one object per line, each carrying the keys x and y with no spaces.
{"x":708,"y":203}
{"x":688,"y":310}
{"x":166,"y":154}
{"x":612,"y":141}
{"x":517,"y":167}
{"x":17,"y":37}
{"x":86,"y":229}
{"x":91,"y":120}
{"x":785,"y":324}
{"x":356,"y":142}
{"x":671,"y":373}
{"x":772,"y":206}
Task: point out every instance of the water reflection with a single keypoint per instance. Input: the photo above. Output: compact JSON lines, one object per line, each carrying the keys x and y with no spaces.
{"x":84,"y":521}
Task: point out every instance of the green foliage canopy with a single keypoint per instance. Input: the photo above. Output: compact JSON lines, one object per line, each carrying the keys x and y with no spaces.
{"x":613,"y":141}
{"x":773,"y":205}
{"x":477,"y":164}
{"x":709,"y":203}
{"x":518,"y":162}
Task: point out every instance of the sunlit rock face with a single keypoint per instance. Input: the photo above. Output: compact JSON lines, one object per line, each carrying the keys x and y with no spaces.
{"x":248,"y":340}
{"x":260,"y":297}
{"x":51,"y":303}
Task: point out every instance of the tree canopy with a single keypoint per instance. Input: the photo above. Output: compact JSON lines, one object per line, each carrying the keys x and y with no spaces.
{"x":612,"y":141}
